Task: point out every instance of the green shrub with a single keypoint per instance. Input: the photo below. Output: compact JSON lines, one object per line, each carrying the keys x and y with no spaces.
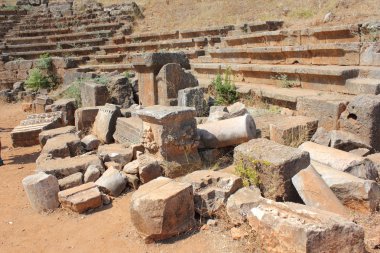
{"x":45,"y":62}
{"x":101,"y":80}
{"x":225,"y":89}
{"x":74,"y":91}
{"x":248,"y":171}
{"x":8,"y":8}
{"x":37,"y":80}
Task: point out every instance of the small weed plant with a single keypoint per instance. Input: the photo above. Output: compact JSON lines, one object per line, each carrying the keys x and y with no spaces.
{"x":225,"y":89}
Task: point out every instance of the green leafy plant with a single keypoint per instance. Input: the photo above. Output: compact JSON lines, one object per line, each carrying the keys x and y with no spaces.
{"x":9,"y":8}
{"x":44,"y":62}
{"x":225,"y":88}
{"x":127,"y":74}
{"x":249,"y":171}
{"x":74,"y":91}
{"x":37,"y":80}
{"x":101,"y":80}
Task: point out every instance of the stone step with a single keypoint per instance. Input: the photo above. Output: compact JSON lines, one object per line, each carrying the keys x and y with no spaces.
{"x":106,"y":67}
{"x":209,"y":31}
{"x":57,"y":52}
{"x":42,"y":32}
{"x":25,"y":40}
{"x":80,"y":35}
{"x":43,"y":18}
{"x":256,"y":26}
{"x":12,"y":12}
{"x":317,"y":54}
{"x":143,"y":37}
{"x":103,"y":26}
{"x":363,"y":86}
{"x":326,"y":78}
{"x":53,"y":45}
{"x":109,"y":58}
{"x":333,"y":34}
{"x":68,"y":23}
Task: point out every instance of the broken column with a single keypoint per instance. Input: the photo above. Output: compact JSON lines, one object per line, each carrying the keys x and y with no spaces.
{"x":170,"y":135}
{"x":341,"y":160}
{"x":42,"y":191}
{"x":362,"y":118}
{"x":93,"y":94}
{"x":148,"y":66}
{"x":227,"y":132}
{"x":274,"y":166}
{"x":162,"y":209}
{"x":316,"y":193}
{"x":105,"y":122}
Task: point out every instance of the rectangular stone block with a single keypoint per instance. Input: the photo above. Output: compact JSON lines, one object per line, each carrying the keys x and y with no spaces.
{"x":81,"y":198}
{"x":293,"y":131}
{"x":105,"y":122}
{"x":93,"y":94}
{"x":85,"y":117}
{"x":274,"y":166}
{"x":128,"y":130}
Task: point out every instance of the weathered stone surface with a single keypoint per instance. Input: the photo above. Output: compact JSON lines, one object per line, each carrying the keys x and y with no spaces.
{"x":237,"y":109}
{"x":81,"y":198}
{"x":93,"y":94}
{"x":361,"y":118}
{"x":85,"y":117}
{"x":241,"y":202}
{"x":212,"y":189}
{"x":341,"y":160}
{"x":113,"y":165}
{"x":70,"y":181}
{"x":42,"y":190}
{"x":67,"y":107}
{"x":221,"y":112}
{"x":355,"y":193}
{"x":162,"y":209}
{"x":132,"y":167}
{"x":211,"y":157}
{"x":148,"y":168}
{"x":26,"y":134}
{"x":375,"y":158}
{"x":64,"y":145}
{"x":170,"y":135}
{"x":229,"y":132}
{"x":293,"y":131}
{"x":316,"y":193}
{"x":90,"y":142}
{"x":274,"y":164}
{"x":322,"y":137}
{"x":105,"y":122}
{"x":120,"y":90}
{"x":47,"y":134}
{"x":61,"y":168}
{"x":92,"y":174}
{"x":170,"y":80}
{"x":128,"y":130}
{"x":115,"y":153}
{"x":290,"y":227}
{"x":346,"y":141}
{"x":361,"y":152}
{"x":194,"y":97}
{"x":112,"y":182}
{"x":133,"y":181}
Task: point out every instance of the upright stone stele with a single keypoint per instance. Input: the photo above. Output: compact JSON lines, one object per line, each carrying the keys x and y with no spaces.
{"x":170,"y":134}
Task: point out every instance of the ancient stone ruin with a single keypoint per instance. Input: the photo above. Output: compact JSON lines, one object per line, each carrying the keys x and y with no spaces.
{"x":278,"y":128}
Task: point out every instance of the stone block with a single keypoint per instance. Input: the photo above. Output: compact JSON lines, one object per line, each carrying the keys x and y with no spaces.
{"x":117,"y":153}
{"x":64,"y":145}
{"x":241,"y":202}
{"x":42,"y":190}
{"x":44,"y":136}
{"x":341,"y":160}
{"x":274,"y":164}
{"x":162,"y":209}
{"x":316,"y":193}
{"x":346,"y":141}
{"x":170,"y":80}
{"x":61,"y":168}
{"x":85,"y":117}
{"x":81,"y":198}
{"x":355,"y":193}
{"x":105,"y":122}
{"x":92,"y":174}
{"x":148,"y":168}
{"x":362,"y":118}
{"x":293,"y":131}
{"x":90,"y":142}
{"x":70,"y":181}
{"x":93,"y":94}
{"x":322,"y":137}
{"x":212,"y":189}
{"x":170,"y":135}
{"x":67,"y":107}
{"x":128,"y":130}
{"x":295,"y":228}
{"x":112,"y":182}
{"x":194,"y":97}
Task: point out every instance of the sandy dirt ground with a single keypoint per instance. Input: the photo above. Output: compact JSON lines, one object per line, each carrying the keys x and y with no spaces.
{"x":108,"y":229}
